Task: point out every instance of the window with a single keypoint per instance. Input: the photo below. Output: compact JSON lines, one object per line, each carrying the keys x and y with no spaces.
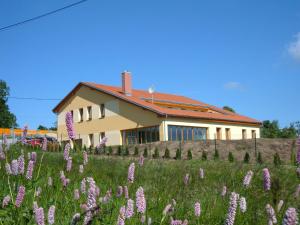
{"x":228,"y":134}
{"x":141,"y":135}
{"x":102,"y":135}
{"x":91,"y":140}
{"x":80,"y":114}
{"x":185,"y":133}
{"x":244,"y":134}
{"x":102,"y":111}
{"x":253,"y":134}
{"x":89,"y":113}
{"x":219,"y":133}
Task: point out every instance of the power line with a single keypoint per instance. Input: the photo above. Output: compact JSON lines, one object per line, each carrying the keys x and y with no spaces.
{"x":33,"y":98}
{"x":41,"y":16}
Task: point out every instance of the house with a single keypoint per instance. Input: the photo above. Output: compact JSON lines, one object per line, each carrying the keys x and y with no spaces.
{"x":129,"y":116}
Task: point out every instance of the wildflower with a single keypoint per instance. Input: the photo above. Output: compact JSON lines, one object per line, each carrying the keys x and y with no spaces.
{"x":91,"y":201}
{"x":75,"y":219}
{"x":186,"y":179}
{"x":2,"y":154}
{"x":121,"y":217}
{"x":197,"y":209}
{"x":5,"y":201}
{"x":131,"y":173}
{"x":66,"y":151}
{"x":279,"y":206}
{"x":125,"y":189}
{"x":267,"y":179}
{"x":271,"y":214}
{"x":232,"y":209}
{"x":51,"y":213}
{"x":20,"y":196}
{"x":24,"y":134}
{"x":247,"y":178}
{"x":80,"y":168}
{"x":97,"y":190}
{"x":50,"y":182}
{"x":102,"y":143}
{"x":140,"y":200}
{"x":76,"y":194}
{"x":21,"y":164}
{"x":143,"y":218}
{"x":290,"y":217}
{"x":243,"y":205}
{"x":107,"y":197}
{"x":141,"y":160}
{"x":29,"y":170}
{"x":39,"y":216}
{"x":35,"y":206}
{"x":14,"y":167}
{"x":66,"y":181}
{"x":201,"y":173}
{"x":167,"y":209}
{"x":8,"y":169}
{"x":176,"y":222}
{"x":69,"y":164}
{"x":44,"y":144}
{"x":83,"y":186}
{"x":85,"y":158}
{"x":224,"y":190}
{"x":185,"y":222}
{"x":120,"y":191}
{"x":69,"y":125}
{"x":130,"y":208}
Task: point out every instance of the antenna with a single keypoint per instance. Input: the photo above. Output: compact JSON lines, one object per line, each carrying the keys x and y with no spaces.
{"x":151,"y":91}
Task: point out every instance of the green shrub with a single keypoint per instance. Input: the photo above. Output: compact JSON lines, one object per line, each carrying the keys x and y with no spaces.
{"x":84,"y":147}
{"x":136,"y":151}
{"x":204,"y":156}
{"x":216,"y":154}
{"x":126,"y":151}
{"x":167,"y":153}
{"x":119,"y":152}
{"x":178,"y":154}
{"x":190,"y":154}
{"x":145,"y":152}
{"x":259,"y":158}
{"x":109,"y":151}
{"x":293,"y":158}
{"x":156,"y":153}
{"x":276,"y":159}
{"x":230,"y":157}
{"x":246,"y":158}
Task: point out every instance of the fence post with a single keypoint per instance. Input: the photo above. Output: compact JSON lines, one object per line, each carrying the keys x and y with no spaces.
{"x":215,"y":143}
{"x":255,"y":146}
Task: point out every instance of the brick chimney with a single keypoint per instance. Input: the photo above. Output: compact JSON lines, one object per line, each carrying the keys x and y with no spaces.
{"x":126,"y":83}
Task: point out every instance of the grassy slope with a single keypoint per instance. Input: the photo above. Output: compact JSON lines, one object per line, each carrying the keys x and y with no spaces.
{"x":161,"y":180}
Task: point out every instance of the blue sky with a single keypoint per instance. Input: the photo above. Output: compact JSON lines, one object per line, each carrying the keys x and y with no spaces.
{"x":245,"y":54}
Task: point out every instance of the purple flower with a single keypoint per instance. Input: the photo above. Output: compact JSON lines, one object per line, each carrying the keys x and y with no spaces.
{"x":91,"y":201}
{"x":66,"y":151}
{"x":20,"y":196}
{"x":167,"y":209}
{"x":85,"y":158}
{"x":75,"y":219}
{"x":186,"y":179}
{"x":83,"y":186}
{"x":141,"y":160}
{"x":69,"y":164}
{"x":140,"y":200}
{"x":130,"y":208}
{"x":44,"y":144}
{"x":5,"y":201}
{"x":197,"y":209}
{"x":76,"y":194}
{"x":8,"y":169}
{"x":131,"y":173}
{"x":107,"y":197}
{"x":39,"y":216}
{"x":69,"y":125}
{"x":29,"y":170}
{"x":243,"y":205}
{"x":290,"y":217}
{"x":102,"y":143}
{"x":232,"y":209}
{"x":125,"y":189}
{"x":119,"y":191}
{"x":271,"y":214}
{"x":21,"y":164}
{"x":80,"y":168}
{"x":14,"y":167}
{"x":176,"y":222}
{"x":247,"y":178}
{"x":51,"y":213}
{"x":121,"y":217}
{"x":33,"y":156}
{"x":267,"y":179}
{"x":201,"y":173}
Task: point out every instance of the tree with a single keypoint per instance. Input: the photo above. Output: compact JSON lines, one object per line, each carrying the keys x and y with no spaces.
{"x":41,"y":127}
{"x":270,"y":129}
{"x":229,"y":109}
{"x":8,"y":119}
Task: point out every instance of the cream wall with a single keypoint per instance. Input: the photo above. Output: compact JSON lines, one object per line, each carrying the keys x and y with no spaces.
{"x":235,"y":130}
{"x":119,"y":115}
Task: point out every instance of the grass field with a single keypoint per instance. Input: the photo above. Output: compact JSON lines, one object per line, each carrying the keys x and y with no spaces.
{"x":162,"y":181}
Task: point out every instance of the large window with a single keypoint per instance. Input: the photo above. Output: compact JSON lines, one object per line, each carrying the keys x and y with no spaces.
{"x":179,"y":133}
{"x":140,"y":135}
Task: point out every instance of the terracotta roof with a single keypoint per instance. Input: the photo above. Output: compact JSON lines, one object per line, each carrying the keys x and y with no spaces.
{"x":139,"y":98}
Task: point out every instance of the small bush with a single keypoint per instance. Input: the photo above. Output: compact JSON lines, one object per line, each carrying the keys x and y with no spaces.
{"x":136,"y":151}
{"x":156,"y":153}
{"x":190,"y":154}
{"x":84,"y":147}
{"x":145,"y":152}
{"x":293,"y":158}
{"x":216,"y":154}
{"x":178,"y":154}
{"x":109,"y":151}
{"x":246,"y":158}
{"x":259,"y":158}
{"x":276,"y":159}
{"x":126,"y":151}
{"x":204,"y":156}
{"x":119,"y":152}
{"x":167,"y":153}
{"x":230,"y":157}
